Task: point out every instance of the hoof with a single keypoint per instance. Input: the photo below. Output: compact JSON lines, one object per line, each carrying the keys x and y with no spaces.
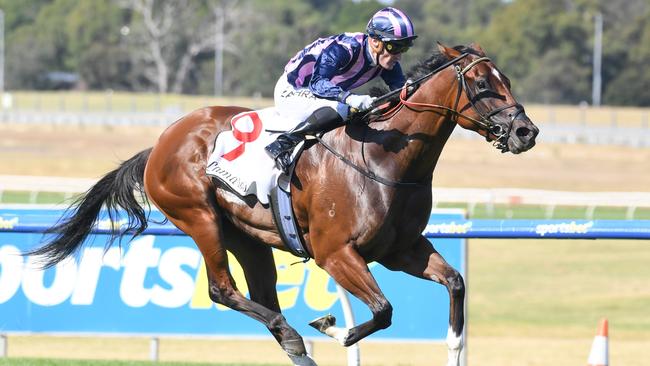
{"x":324,"y":322}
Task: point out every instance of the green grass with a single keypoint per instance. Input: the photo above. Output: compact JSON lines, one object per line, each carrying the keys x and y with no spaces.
{"x":51,"y":362}
{"x":482,"y":211}
{"x":35,"y":197}
{"x":523,"y":287}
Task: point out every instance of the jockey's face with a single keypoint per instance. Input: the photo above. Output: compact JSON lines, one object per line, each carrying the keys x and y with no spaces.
{"x":386,"y":60}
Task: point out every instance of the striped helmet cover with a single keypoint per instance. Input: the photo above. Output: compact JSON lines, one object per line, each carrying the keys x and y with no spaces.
{"x":391,"y":24}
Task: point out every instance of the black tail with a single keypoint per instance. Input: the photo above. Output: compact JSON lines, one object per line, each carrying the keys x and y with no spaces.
{"x":115,"y":190}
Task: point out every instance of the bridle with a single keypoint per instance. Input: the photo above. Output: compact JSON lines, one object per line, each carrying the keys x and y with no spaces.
{"x":484,"y":122}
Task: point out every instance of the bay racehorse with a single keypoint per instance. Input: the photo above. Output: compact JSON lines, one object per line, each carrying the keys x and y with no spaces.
{"x":363,"y":194}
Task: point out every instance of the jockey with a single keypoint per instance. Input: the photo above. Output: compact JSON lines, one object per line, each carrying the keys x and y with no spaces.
{"x":316,"y":83}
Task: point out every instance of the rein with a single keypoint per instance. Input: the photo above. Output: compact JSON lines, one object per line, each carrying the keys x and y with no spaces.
{"x":368,"y":173}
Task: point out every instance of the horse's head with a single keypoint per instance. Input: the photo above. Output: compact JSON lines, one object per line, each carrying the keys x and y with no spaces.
{"x":484,"y":103}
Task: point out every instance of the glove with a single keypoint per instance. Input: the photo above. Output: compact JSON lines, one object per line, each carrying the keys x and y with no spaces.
{"x":409,"y":88}
{"x":360,"y":102}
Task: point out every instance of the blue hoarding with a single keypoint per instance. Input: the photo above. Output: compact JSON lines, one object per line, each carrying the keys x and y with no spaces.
{"x":156,"y":284}
{"x":539,"y":229}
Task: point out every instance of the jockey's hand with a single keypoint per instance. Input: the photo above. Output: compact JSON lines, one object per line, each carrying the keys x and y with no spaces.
{"x":359,"y":102}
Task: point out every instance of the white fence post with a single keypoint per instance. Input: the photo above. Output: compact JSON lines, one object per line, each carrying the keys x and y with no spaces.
{"x":550,"y":209}
{"x":3,"y":345}
{"x":154,"y":346}
{"x":354,"y":354}
{"x":309,"y":347}
{"x":589,"y":215}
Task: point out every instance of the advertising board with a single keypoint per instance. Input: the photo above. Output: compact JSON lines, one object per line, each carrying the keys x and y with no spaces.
{"x":156,"y":284}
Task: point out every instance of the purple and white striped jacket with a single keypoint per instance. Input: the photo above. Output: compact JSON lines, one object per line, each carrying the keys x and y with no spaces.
{"x":331,"y":67}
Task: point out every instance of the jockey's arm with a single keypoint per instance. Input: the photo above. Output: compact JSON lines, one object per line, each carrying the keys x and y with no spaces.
{"x":331,"y":60}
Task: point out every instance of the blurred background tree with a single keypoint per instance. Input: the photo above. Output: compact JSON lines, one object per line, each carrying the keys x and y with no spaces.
{"x":544,"y":46}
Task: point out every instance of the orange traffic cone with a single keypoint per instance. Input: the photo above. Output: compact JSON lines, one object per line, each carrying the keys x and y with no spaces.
{"x":599,"y":355}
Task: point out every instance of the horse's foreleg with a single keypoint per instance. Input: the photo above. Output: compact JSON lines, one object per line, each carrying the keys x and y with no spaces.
{"x":423,"y":261}
{"x":350,"y":271}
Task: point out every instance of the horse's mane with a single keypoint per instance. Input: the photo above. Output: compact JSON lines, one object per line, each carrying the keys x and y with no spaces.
{"x":422,"y":68}
{"x":434,"y":61}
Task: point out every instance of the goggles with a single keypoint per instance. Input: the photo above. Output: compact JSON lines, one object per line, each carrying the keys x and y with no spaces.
{"x":397,"y":47}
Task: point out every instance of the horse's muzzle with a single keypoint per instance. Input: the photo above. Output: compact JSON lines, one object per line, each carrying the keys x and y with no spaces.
{"x":522,"y":134}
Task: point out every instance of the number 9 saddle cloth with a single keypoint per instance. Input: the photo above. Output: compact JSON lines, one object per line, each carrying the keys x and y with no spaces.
{"x":238,"y":159}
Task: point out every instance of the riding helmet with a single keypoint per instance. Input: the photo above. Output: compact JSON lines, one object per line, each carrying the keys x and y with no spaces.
{"x":391,"y":24}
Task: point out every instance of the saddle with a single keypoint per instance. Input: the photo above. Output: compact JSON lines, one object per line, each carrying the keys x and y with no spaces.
{"x":240,"y":165}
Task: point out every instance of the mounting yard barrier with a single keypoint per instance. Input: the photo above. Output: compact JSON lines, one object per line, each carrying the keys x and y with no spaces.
{"x":455,"y":227}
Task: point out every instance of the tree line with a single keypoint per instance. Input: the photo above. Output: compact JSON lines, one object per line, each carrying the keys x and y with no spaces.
{"x":240,"y":47}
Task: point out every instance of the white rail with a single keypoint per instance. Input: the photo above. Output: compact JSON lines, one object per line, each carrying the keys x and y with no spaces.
{"x":514,"y":196}
{"x":470,"y":196}
{"x":549,"y":199}
{"x":28,"y":183}
{"x":36,"y":184}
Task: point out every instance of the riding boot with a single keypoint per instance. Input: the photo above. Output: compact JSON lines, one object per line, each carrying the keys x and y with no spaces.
{"x":321,"y":120}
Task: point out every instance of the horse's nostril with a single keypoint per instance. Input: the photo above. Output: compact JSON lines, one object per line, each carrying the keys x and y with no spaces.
{"x":523,"y":131}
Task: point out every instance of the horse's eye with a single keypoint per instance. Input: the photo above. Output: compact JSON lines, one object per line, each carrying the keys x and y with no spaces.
{"x":481,"y":85}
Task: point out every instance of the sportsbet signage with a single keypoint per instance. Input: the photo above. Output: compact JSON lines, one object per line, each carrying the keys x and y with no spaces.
{"x":158,"y":285}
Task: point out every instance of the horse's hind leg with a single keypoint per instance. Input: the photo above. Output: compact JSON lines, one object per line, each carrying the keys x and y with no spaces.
{"x":423,"y":261}
{"x":258,"y":264}
{"x":259,"y":268}
{"x":206,"y":230}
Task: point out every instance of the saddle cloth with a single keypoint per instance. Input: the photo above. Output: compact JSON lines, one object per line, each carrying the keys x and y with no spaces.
{"x":239,"y":159}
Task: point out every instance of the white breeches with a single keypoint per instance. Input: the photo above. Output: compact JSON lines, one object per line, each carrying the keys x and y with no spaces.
{"x":295,"y":105}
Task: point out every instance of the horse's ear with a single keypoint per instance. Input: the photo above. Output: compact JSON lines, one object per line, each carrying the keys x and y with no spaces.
{"x":477,"y":48}
{"x":450,"y":52}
